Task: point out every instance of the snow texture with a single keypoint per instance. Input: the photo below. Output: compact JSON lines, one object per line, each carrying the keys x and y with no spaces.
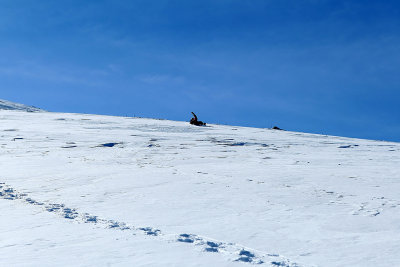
{"x":7,"y":105}
{"x":90,"y":190}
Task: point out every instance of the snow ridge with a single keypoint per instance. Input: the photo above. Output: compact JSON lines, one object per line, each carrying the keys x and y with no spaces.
{"x":7,"y":105}
{"x":234,"y":252}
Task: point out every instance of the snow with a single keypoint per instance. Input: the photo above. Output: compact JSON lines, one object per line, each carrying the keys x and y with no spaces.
{"x":91,"y":190}
{"x":7,"y":105}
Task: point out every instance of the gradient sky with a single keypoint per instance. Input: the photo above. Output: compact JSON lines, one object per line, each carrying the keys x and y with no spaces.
{"x":330,"y":67}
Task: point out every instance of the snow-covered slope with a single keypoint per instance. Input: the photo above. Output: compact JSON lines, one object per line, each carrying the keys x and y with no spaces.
{"x":7,"y":105}
{"x":88,"y":190}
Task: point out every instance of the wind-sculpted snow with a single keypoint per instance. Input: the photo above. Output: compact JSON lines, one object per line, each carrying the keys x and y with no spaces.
{"x":234,"y":251}
{"x":88,"y":190}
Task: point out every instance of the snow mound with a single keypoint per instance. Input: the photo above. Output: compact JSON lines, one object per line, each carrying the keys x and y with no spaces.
{"x":7,"y":105}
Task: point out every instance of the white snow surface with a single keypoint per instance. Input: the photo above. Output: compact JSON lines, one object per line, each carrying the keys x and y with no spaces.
{"x":7,"y":105}
{"x":90,"y":190}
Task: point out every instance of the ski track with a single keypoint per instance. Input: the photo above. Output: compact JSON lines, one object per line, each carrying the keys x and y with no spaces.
{"x":232,"y":251}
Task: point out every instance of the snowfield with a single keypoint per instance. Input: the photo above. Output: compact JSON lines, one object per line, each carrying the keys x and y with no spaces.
{"x":90,"y":190}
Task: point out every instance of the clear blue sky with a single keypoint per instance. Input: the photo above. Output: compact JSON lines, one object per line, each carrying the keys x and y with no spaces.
{"x":321,"y":66}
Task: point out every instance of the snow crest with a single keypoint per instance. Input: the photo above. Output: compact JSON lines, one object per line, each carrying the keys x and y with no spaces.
{"x":7,"y":105}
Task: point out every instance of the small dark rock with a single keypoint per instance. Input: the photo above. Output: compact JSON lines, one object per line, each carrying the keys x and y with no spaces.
{"x":276,"y":128}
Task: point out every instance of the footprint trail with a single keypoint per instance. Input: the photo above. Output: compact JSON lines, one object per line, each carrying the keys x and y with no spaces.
{"x":234,"y":252}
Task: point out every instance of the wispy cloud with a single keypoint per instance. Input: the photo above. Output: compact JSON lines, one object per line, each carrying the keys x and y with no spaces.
{"x":161,"y":79}
{"x":57,"y":74}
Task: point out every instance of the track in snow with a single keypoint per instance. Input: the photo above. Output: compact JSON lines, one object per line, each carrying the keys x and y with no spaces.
{"x":234,"y":252}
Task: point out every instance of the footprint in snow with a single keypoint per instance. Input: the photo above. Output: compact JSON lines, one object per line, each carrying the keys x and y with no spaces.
{"x":247,"y":256}
{"x":212,"y":246}
{"x":186,"y":238}
{"x":150,"y":231}
{"x":376,"y":206}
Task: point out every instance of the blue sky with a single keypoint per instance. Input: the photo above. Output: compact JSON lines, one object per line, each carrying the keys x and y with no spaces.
{"x":330,"y":67}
